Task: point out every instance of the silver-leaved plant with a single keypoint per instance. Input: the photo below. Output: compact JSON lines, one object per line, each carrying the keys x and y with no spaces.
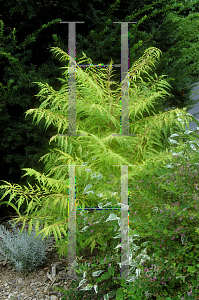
{"x":25,"y":251}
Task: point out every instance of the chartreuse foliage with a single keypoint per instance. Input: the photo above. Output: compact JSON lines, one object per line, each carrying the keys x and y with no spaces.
{"x":98,"y":116}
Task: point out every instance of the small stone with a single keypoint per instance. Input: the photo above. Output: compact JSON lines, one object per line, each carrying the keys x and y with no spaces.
{"x":20,"y":280}
{"x":53,"y":297}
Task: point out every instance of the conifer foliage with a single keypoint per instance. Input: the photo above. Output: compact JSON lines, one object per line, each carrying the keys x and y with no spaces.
{"x":21,"y":142}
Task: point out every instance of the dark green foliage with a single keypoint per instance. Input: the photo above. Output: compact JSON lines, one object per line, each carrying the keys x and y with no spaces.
{"x":22,"y":143}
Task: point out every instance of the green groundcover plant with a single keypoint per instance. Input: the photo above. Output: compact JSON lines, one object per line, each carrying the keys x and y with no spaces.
{"x":147,"y":154}
{"x":168,"y":226}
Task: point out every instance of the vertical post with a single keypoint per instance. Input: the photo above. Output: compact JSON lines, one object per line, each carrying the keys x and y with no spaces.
{"x":124,"y":131}
{"x":124,"y":223}
{"x":72,"y":132}
{"x":71,"y":79}
{"x":124,"y":80}
{"x":72,"y":224}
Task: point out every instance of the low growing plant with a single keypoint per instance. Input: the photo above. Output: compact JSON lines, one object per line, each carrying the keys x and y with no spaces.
{"x":23,"y":250}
